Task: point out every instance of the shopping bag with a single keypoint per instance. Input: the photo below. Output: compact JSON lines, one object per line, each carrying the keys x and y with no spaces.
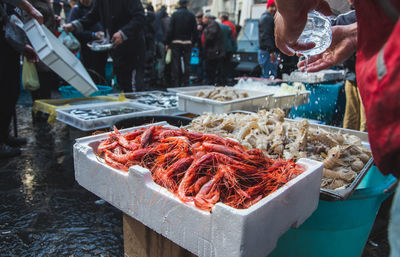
{"x":30,"y":78}
{"x":70,"y":41}
{"x":168,"y":57}
{"x":13,"y":30}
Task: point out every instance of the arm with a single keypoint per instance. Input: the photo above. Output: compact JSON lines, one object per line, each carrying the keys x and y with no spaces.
{"x":194,"y":30}
{"x":344,"y":19}
{"x":137,"y":21}
{"x":27,"y":7}
{"x":170,"y":30}
{"x":85,"y":35}
{"x":86,"y":21}
{"x":233,"y":40}
{"x":211,"y":33}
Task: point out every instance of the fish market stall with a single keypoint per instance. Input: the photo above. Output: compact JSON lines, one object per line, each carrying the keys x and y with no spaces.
{"x":206,"y":193}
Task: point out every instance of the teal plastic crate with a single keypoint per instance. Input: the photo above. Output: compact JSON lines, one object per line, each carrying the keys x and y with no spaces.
{"x":68,"y":92}
{"x":326,"y":103}
{"x":338,"y":228}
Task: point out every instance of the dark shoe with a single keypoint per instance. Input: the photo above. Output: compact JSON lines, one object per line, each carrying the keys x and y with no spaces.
{"x":16,"y":141}
{"x":7,"y":151}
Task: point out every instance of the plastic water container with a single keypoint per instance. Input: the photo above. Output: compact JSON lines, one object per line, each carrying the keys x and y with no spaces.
{"x":338,"y":228}
{"x":68,"y":92}
{"x":317,"y":30}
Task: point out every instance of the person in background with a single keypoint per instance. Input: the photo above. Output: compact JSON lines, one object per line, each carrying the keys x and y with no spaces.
{"x":72,"y":4}
{"x":181,"y":35}
{"x":354,"y":115}
{"x":123,"y":21}
{"x":267,"y":55}
{"x":225,"y":20}
{"x":160,"y":36}
{"x":198,"y":44}
{"x":230,"y":47}
{"x":376,"y":39}
{"x":94,"y":62}
{"x":10,"y":77}
{"x":48,"y":80}
{"x":149,"y":35}
{"x":214,"y":49}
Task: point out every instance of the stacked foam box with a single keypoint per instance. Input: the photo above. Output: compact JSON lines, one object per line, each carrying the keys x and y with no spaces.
{"x":223,"y":232}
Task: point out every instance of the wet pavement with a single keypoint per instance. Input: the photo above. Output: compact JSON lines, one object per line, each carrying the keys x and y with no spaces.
{"x":44,"y":212}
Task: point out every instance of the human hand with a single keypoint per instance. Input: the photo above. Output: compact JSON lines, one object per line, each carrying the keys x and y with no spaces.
{"x":344,"y":44}
{"x":68,"y":27}
{"x":117,"y":39}
{"x":99,"y":35}
{"x":30,"y":54}
{"x":32,"y":11}
{"x":290,"y":21}
{"x":272,"y":57}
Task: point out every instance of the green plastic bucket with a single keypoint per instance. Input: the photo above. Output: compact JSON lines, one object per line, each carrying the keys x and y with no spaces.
{"x":338,"y":228}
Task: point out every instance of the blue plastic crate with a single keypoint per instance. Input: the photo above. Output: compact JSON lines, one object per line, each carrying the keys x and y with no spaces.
{"x":326,"y":102}
{"x":68,"y":92}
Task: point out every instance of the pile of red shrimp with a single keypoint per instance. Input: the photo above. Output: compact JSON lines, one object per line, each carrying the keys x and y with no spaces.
{"x":200,"y":168}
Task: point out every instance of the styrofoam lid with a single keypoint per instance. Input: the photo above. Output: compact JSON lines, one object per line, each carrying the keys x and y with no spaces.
{"x":57,"y":57}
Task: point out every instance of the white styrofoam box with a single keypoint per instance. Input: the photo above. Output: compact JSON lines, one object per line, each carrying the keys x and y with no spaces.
{"x":189,"y":89}
{"x":56,"y":56}
{"x":225,"y":231}
{"x":63,"y":114}
{"x":189,"y":102}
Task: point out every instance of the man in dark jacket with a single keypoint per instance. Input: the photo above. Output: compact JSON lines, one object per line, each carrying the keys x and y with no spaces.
{"x":230,"y":48}
{"x":181,"y":35}
{"x":214,"y":48}
{"x":267,"y":55}
{"x":93,"y":61}
{"x":123,"y":20}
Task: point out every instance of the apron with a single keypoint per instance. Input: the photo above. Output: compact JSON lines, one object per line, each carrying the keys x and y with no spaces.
{"x":378,"y":76}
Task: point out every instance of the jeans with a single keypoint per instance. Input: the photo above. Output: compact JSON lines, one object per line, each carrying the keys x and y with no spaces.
{"x":268,"y":69}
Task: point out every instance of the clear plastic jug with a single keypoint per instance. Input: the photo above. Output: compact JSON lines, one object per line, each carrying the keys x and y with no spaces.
{"x":317,"y":30}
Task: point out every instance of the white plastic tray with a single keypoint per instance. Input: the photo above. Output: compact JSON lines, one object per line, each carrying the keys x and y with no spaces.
{"x":189,"y":102}
{"x":316,"y":77}
{"x":223,"y":232}
{"x":63,"y":115}
{"x":165,"y":111}
{"x":189,"y":89}
{"x":56,"y":56}
{"x":288,"y":101}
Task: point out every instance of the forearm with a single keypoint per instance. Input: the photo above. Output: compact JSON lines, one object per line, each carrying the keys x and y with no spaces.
{"x":351,"y":31}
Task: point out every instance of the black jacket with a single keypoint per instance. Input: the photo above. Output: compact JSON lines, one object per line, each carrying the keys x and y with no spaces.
{"x":125,"y":15}
{"x":214,"y":41}
{"x":78,"y":12}
{"x":266,"y":33}
{"x":183,"y":26}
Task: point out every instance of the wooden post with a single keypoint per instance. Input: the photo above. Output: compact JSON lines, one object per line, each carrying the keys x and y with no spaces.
{"x":141,"y":241}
